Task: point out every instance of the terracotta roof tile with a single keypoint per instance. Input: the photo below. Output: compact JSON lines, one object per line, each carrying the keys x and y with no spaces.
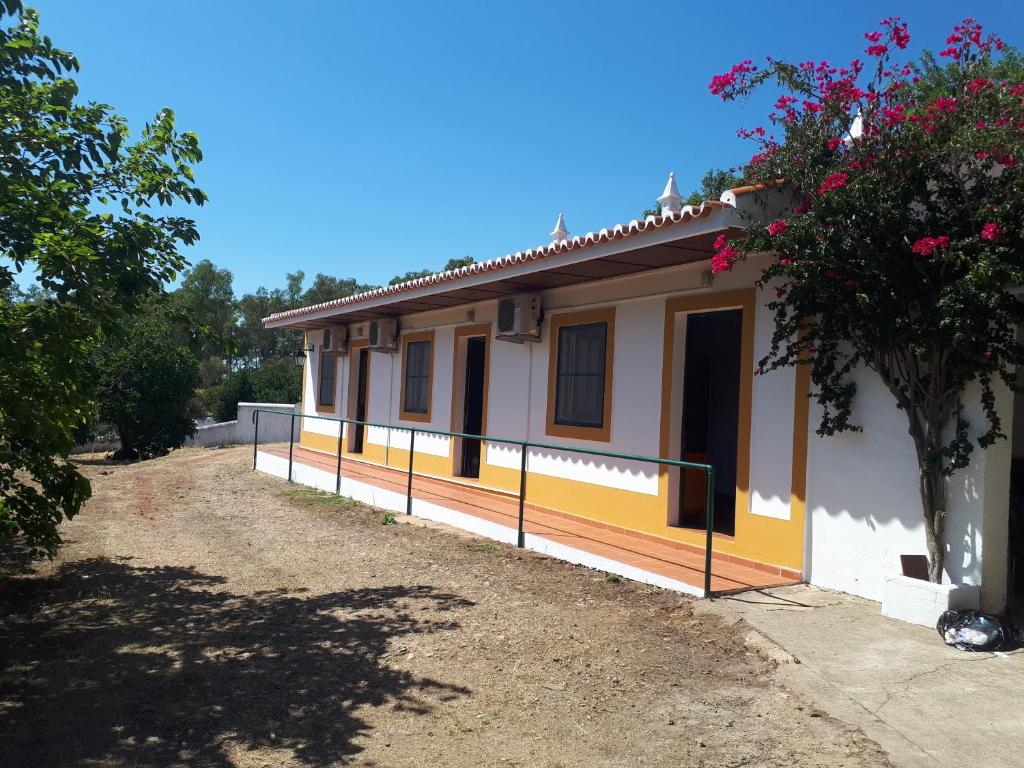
{"x":590,"y":239}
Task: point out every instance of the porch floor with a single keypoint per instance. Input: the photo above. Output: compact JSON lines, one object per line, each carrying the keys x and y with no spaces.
{"x":670,"y":559}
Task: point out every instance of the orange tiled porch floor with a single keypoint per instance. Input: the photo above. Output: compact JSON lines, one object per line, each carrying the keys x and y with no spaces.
{"x":667,"y":558}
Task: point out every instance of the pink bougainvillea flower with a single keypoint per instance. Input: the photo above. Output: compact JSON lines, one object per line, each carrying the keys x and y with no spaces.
{"x":991,"y":232}
{"x":785,"y":262}
{"x":872,"y":37}
{"x":781,"y":293}
{"x":833,"y":182}
{"x":803,"y":207}
{"x":724,"y":259}
{"x":927,"y":246}
{"x":877,"y":50}
{"x":949,"y":52}
{"x":979,"y":84}
{"x":720,"y":84}
{"x":719,"y":243}
{"x":900,"y":35}
{"x":834,"y":143}
{"x":777,"y":228}
{"x":893,"y":115}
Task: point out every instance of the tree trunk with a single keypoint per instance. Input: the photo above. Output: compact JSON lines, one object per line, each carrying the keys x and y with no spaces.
{"x":126,"y":451}
{"x":933,"y":504}
{"x":929,"y":403}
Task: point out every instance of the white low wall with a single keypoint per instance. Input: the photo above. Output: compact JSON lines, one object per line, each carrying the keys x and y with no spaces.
{"x":273,"y":429}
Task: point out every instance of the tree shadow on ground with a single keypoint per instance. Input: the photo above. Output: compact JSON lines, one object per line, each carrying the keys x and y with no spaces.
{"x":109,"y":663}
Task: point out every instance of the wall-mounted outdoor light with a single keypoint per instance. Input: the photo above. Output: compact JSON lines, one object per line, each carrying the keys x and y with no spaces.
{"x":300,"y":355}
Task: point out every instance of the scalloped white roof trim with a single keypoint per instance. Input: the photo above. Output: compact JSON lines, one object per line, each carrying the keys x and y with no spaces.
{"x":634,"y":227}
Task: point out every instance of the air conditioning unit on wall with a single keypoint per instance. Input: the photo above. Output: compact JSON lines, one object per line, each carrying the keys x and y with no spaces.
{"x":384,"y":335}
{"x":336,"y":338}
{"x":519,"y":318}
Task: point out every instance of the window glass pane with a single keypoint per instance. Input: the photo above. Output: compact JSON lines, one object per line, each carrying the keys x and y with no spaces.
{"x":417,"y":376}
{"x":328,"y":377}
{"x":579,"y":390}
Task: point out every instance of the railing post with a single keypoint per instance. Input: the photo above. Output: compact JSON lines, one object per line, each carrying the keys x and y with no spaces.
{"x":255,"y":434}
{"x":337,"y":478}
{"x":408,"y":490}
{"x":710,"y":529}
{"x":291,"y":445}
{"x":521,"y":538}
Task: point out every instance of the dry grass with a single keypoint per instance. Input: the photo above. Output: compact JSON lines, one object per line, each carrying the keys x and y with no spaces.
{"x":204,"y":615}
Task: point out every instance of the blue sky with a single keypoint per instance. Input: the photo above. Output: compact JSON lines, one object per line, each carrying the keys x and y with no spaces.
{"x":368,"y":139}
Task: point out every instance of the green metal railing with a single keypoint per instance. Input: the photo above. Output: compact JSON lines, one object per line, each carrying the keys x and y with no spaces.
{"x":524,"y":446}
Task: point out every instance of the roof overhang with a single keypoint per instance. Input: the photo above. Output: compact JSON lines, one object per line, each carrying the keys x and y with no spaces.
{"x":641,"y":246}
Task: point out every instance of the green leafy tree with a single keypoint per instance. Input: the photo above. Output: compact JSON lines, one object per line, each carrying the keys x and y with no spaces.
{"x":276,"y":380}
{"x":257,"y":343}
{"x":81,"y":214}
{"x":146,"y":379}
{"x":206,"y":293}
{"x":326,"y":288}
{"x":712,"y":185}
{"x":902,"y":242}
{"x":465,"y":261}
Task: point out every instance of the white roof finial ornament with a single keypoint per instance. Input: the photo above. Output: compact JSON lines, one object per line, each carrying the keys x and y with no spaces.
{"x":856,"y":128}
{"x":670,"y":200}
{"x":559,"y":233}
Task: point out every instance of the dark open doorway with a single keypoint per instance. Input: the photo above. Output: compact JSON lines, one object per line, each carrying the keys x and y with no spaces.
{"x":1015,"y":533}
{"x":362,"y":375}
{"x":710,"y":428}
{"x":473,"y":404}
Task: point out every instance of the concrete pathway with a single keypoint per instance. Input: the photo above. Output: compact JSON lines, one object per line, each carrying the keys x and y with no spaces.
{"x":925,"y":703}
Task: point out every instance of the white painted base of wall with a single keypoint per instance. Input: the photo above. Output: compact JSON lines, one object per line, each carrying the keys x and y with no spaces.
{"x":396,"y":502}
{"x":921,"y":602}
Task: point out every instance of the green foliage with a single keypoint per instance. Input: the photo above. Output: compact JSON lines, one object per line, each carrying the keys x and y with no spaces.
{"x":145,"y":382}
{"x":316,"y":498}
{"x":254,"y":343}
{"x":712,"y":185}
{"x":465,"y":261}
{"x":900,"y":248}
{"x":276,"y":380}
{"x":82,"y":211}
{"x":207,"y":294}
{"x":326,"y":288}
{"x":388,"y":518}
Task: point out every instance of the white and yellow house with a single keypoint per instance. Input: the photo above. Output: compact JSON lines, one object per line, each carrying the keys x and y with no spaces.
{"x":627,"y":343}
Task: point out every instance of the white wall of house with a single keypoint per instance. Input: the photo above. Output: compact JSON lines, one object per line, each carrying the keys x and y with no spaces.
{"x":518,"y":388}
{"x":771,"y":429}
{"x":863,"y":509}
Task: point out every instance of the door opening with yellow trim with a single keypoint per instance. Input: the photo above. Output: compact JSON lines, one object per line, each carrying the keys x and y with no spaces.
{"x":710,"y":415}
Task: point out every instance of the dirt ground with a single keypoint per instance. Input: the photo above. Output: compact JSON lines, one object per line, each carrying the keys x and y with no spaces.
{"x":204,"y":615}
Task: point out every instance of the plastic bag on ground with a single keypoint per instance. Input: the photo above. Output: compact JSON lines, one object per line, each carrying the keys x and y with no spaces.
{"x":970,"y":630}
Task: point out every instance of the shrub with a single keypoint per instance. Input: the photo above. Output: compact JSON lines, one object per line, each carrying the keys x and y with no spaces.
{"x":146,"y":383}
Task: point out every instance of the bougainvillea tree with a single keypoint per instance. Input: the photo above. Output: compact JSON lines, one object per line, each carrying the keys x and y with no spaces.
{"x":903,"y":235}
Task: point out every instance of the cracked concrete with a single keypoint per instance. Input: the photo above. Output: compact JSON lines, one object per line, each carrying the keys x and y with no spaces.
{"x":925,"y":703}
